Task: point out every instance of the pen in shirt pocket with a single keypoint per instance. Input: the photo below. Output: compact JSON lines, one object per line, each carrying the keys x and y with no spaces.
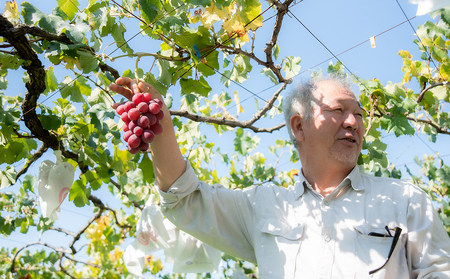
{"x":377,"y":234}
{"x":388,"y":234}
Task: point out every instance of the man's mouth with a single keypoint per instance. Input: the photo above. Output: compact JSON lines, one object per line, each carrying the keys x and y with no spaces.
{"x":349,"y":139}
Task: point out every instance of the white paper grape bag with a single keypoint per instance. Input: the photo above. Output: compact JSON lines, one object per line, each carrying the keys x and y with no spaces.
{"x":188,"y":254}
{"x":55,"y":181}
{"x":153,"y":232}
{"x":151,"y":235}
{"x":134,"y":259}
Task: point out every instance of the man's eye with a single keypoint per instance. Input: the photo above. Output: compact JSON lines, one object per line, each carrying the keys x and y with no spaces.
{"x":359,"y":114}
{"x":338,"y":109}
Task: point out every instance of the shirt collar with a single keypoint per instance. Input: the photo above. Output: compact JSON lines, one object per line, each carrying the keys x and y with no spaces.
{"x":352,"y":178}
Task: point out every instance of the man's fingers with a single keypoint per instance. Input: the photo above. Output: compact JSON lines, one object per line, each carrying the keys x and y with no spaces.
{"x":144,"y":87}
{"x":122,"y":86}
{"x":128,"y":82}
{"x":127,"y":87}
{"x":124,"y":81}
{"x":115,"y":105}
{"x":126,"y":92}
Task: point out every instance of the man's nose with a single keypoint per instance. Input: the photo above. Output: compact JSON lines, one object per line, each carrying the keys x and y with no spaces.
{"x":350,"y":121}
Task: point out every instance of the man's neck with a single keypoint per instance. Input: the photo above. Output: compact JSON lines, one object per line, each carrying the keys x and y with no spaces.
{"x":324,"y":179}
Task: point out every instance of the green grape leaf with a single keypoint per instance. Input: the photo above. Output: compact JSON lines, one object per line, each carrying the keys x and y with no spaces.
{"x":212,"y":63}
{"x":243,"y":144}
{"x":146,"y":166}
{"x":86,"y":62}
{"x":398,"y":124}
{"x":118,"y":31}
{"x":69,"y":7}
{"x":291,"y":66}
{"x":150,"y":78}
{"x":50,"y":122}
{"x":51,"y":82}
{"x":28,"y":182}
{"x":268,"y":72}
{"x":75,"y":89}
{"x":150,"y":9}
{"x":196,"y":87}
{"x":7,"y":177}
{"x":79,"y":193}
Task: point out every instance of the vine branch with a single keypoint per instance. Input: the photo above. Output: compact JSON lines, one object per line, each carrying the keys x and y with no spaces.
{"x":78,"y":235}
{"x":422,"y":93}
{"x":38,"y":154}
{"x":57,"y":249}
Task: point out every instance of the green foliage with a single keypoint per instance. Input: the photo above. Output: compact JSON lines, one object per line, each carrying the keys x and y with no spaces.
{"x":194,"y":46}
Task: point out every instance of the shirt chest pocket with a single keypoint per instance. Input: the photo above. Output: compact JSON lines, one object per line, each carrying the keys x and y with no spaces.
{"x":372,"y":255}
{"x":278,"y":247}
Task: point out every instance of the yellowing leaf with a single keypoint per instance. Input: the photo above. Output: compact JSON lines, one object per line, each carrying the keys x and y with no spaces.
{"x":405,"y":54}
{"x":95,"y":231}
{"x":252,"y":14}
{"x":213,"y":14}
{"x":116,"y":255}
{"x":155,"y":266}
{"x":293,"y":173}
{"x":11,"y":11}
{"x":440,"y":92}
{"x":238,"y":103}
{"x":234,"y":26}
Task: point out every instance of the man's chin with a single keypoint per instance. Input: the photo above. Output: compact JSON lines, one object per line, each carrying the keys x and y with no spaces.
{"x":348,"y":159}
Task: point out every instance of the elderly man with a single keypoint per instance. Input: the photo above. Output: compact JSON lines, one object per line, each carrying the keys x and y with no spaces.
{"x":335,"y":222}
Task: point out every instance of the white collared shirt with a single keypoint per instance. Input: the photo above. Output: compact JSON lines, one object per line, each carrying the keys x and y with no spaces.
{"x":296,"y":233}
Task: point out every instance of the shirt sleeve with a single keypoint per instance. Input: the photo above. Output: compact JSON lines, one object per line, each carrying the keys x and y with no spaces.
{"x":218,"y":216}
{"x":428,"y":244}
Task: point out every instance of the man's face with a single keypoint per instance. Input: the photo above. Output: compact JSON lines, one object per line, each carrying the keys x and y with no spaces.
{"x":337,"y":129}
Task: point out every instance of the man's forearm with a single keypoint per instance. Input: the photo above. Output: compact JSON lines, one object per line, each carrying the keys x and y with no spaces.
{"x":168,"y":163}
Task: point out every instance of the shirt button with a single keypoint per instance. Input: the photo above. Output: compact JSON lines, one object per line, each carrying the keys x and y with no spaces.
{"x":327,"y":203}
{"x":327,"y":238}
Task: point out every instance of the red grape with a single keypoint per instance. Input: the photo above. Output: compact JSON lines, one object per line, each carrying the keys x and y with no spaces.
{"x":143,"y":146}
{"x":152,"y":118}
{"x":138,"y":131}
{"x":148,"y":136}
{"x":160,"y":115}
{"x":129,"y":105}
{"x":159,"y":102}
{"x":153,"y":107}
{"x":133,"y":114}
{"x":138,"y":98}
{"x":120,"y":109}
{"x":132,"y":125}
{"x":143,"y":121}
{"x":125,"y":127}
{"x":147,"y":97}
{"x":157,"y":128}
{"x":127,"y":135}
{"x":133,"y":150}
{"x":143,"y":107}
{"x":124,"y":117}
{"x":134,"y":141}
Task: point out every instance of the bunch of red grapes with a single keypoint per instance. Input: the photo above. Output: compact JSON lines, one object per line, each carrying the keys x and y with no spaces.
{"x":141,"y":118}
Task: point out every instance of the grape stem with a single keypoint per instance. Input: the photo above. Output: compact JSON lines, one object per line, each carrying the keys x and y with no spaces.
{"x":136,"y":68}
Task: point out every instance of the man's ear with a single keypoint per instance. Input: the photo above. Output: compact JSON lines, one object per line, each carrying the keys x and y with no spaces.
{"x":297,"y":127}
